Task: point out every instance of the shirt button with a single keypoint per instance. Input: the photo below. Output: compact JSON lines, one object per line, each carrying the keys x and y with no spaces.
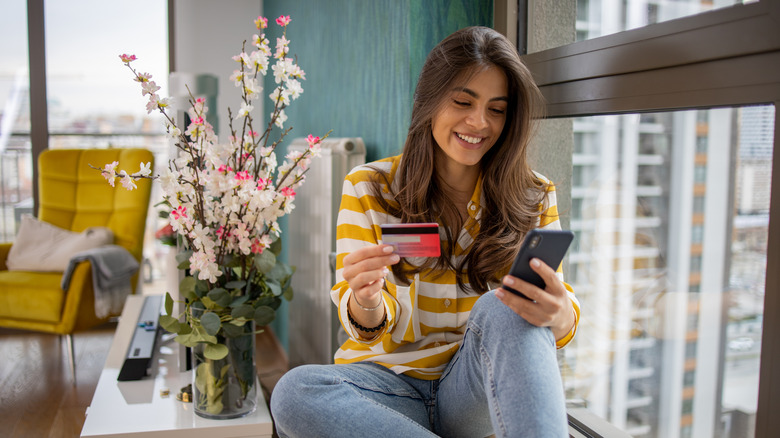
{"x":447,"y":302}
{"x":437,"y":344}
{"x":473,"y":207}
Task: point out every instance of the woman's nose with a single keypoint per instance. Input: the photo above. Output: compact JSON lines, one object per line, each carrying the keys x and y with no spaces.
{"x":477,"y":119}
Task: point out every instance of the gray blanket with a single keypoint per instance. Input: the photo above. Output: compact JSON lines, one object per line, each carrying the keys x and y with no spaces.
{"x":112,"y":268}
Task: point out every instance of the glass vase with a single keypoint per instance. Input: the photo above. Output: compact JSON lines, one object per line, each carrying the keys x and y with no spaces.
{"x":226,"y":388}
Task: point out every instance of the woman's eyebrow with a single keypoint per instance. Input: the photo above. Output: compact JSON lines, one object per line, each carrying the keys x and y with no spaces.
{"x":473,"y":94}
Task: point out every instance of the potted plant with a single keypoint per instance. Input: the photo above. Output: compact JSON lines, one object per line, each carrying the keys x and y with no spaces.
{"x":225,"y":200}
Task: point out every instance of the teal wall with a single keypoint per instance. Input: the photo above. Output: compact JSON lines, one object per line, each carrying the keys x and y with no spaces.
{"x":362,"y":59}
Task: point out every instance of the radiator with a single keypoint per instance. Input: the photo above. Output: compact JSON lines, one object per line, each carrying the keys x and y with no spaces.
{"x":314,"y":329}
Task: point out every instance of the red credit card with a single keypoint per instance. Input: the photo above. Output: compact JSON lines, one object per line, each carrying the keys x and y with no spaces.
{"x":412,"y":240}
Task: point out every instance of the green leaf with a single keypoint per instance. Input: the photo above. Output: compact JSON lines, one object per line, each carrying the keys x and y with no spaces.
{"x":265,"y":261}
{"x":229,"y":261}
{"x":208,"y":302}
{"x":288,"y":293}
{"x":188,"y":340}
{"x":199,"y":335}
{"x":243,"y":311}
{"x":234,"y":329}
{"x":276,"y":247}
{"x":168,"y":304}
{"x":201,"y":287}
{"x":187,"y":286}
{"x":183,"y":256}
{"x":275,"y":287}
{"x":235,"y":284}
{"x":220,"y":297}
{"x":210,"y":322}
{"x":215,"y":351}
{"x":224,"y":371}
{"x":170,"y":324}
{"x":239,"y":301}
{"x":264,"y":315}
{"x":277,"y":273}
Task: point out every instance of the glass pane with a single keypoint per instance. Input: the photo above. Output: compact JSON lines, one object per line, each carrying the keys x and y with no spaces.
{"x":93,"y":101}
{"x":89,"y":89}
{"x":671,"y":211}
{"x":15,"y":155}
{"x":597,"y":18}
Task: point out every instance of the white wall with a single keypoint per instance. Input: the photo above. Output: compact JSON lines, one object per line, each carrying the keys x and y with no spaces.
{"x":207,"y":34}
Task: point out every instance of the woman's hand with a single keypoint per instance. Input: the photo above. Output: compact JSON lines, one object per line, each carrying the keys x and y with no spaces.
{"x":549,"y":307}
{"x":365,"y":271}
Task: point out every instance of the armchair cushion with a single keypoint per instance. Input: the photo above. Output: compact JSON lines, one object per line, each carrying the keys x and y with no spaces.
{"x":31,"y":296}
{"x":41,"y":246}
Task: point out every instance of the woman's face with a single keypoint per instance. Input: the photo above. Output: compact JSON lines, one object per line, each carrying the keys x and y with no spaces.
{"x":472,"y":118}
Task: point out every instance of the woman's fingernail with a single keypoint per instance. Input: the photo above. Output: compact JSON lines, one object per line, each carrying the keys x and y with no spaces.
{"x":509,"y":281}
{"x":385,"y":271}
{"x":499,"y":293}
{"x":394,"y":258}
{"x":388,"y":249}
{"x":535,"y":263}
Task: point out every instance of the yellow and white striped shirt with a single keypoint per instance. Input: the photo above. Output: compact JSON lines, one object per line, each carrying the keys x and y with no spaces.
{"x":426,"y":320}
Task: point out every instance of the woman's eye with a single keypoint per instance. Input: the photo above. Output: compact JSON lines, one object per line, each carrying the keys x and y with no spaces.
{"x":460,"y":102}
{"x":498,"y":111}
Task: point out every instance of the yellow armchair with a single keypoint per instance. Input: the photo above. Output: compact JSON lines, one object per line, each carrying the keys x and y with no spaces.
{"x":74,"y":197}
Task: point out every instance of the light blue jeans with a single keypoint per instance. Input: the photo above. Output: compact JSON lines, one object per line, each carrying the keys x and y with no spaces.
{"x":504,"y":380}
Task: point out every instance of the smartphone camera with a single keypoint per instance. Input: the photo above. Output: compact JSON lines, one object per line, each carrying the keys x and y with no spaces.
{"x":535,"y":241}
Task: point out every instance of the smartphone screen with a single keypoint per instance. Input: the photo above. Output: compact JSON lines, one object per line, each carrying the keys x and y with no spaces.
{"x":549,"y":246}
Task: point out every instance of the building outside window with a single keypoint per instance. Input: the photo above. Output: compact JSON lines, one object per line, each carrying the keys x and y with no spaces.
{"x":670,"y":208}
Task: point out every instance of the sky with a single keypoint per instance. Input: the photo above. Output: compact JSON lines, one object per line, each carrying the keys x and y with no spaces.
{"x":84,"y":39}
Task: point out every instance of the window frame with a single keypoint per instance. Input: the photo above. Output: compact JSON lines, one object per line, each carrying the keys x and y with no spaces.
{"x":726,"y":57}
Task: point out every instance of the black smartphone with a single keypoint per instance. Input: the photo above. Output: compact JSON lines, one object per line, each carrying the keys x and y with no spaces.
{"x":549,"y":246}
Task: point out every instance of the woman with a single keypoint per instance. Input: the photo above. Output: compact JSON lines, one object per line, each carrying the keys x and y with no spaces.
{"x":436,"y":346}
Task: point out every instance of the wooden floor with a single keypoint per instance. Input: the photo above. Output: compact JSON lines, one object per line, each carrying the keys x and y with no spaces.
{"x":38,"y":398}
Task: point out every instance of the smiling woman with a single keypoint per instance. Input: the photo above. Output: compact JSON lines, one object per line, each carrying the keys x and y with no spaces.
{"x":428,"y":335}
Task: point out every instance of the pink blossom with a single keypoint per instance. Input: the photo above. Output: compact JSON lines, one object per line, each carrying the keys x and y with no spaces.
{"x":221,"y":232}
{"x":288,"y":192}
{"x":225,"y":168}
{"x":257,"y":246}
{"x":179,"y":212}
{"x":263,"y":183}
{"x":127,"y":59}
{"x":283,"y":20}
{"x":312,"y":140}
{"x":243,"y":176}
{"x":109,"y":172}
{"x":127,"y":181}
{"x":261,"y":22}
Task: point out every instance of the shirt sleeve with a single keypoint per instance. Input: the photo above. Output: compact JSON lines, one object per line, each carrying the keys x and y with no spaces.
{"x":548,"y":219}
{"x":357,"y":225}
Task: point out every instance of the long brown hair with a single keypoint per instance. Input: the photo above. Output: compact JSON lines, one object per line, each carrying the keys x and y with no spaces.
{"x":510,"y":190}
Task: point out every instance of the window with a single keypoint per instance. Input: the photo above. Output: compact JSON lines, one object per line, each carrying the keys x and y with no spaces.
{"x":93,"y":101}
{"x":87,"y":98}
{"x":675,"y":106}
{"x":597,"y":18}
{"x":16,"y":176}
{"x":665,"y":267}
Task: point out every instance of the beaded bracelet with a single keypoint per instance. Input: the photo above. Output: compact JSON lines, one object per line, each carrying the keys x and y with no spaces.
{"x":366,"y":329}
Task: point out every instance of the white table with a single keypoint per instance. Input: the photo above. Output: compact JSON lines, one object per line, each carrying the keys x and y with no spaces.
{"x":136,"y":408}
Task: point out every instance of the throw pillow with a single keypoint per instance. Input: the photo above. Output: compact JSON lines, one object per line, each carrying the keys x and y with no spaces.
{"x":41,"y":246}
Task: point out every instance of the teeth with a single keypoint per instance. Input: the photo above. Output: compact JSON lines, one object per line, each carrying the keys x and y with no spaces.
{"x":472,"y":140}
